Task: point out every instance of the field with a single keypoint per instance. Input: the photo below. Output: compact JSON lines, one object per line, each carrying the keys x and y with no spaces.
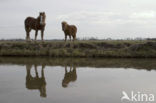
{"x":82,"y":48}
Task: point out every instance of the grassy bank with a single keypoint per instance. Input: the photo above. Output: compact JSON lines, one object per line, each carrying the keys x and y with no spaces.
{"x":97,"y":48}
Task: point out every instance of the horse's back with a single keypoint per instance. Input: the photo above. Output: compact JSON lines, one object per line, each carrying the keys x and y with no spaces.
{"x":28,"y":20}
{"x":73,"y":28}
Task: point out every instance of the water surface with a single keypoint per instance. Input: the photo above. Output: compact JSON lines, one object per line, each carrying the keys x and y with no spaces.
{"x":47,"y":80}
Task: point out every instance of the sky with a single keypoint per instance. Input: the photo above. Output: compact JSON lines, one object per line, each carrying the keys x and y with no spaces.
{"x":102,"y":19}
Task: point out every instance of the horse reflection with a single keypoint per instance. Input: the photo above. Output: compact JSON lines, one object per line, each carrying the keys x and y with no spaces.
{"x":70,"y":76}
{"x":36,"y":82}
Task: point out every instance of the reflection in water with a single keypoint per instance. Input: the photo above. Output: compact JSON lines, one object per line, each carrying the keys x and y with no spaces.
{"x":39,"y":83}
{"x":70,"y":76}
{"x":36,"y":82}
{"x":70,"y":65}
{"x":101,"y":80}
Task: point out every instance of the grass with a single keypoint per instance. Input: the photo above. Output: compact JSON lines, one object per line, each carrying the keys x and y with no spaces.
{"x":82,"y":48}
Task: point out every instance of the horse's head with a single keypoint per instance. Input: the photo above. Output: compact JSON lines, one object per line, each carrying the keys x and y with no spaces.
{"x":64,"y":25}
{"x":42,"y":17}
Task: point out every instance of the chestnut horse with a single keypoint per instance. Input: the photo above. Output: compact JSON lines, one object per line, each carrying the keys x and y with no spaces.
{"x":35,"y":24}
{"x":69,"y":30}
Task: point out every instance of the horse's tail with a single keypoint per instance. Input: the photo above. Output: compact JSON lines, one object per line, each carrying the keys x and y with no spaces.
{"x":75,"y":31}
{"x":25,"y":24}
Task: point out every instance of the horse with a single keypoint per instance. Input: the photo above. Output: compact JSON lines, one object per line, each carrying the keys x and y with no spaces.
{"x":35,"y":24}
{"x":69,"y":30}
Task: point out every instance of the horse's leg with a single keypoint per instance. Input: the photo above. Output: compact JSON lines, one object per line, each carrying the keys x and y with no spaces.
{"x":26,"y":30}
{"x":36,"y":33}
{"x":74,"y":37}
{"x":42,"y":34}
{"x":28,"y":34}
{"x":65,"y":38}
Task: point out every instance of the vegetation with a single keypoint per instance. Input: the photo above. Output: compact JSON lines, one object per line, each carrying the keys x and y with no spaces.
{"x":82,"y":48}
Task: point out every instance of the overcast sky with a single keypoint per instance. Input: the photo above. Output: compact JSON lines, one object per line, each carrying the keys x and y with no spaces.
{"x":94,"y":18}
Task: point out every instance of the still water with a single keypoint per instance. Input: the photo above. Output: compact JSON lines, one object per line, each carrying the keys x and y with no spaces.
{"x":52,"y":80}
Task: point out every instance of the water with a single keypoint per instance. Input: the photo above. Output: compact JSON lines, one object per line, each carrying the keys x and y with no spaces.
{"x":47,"y":80}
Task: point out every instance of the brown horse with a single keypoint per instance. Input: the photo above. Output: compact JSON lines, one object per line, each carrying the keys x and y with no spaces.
{"x":69,"y":30}
{"x":35,"y":24}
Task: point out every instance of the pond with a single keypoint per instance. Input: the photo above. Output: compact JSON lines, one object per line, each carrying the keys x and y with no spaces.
{"x":74,"y":80}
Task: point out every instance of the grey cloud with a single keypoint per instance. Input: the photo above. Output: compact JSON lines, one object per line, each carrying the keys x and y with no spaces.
{"x":99,"y":18}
